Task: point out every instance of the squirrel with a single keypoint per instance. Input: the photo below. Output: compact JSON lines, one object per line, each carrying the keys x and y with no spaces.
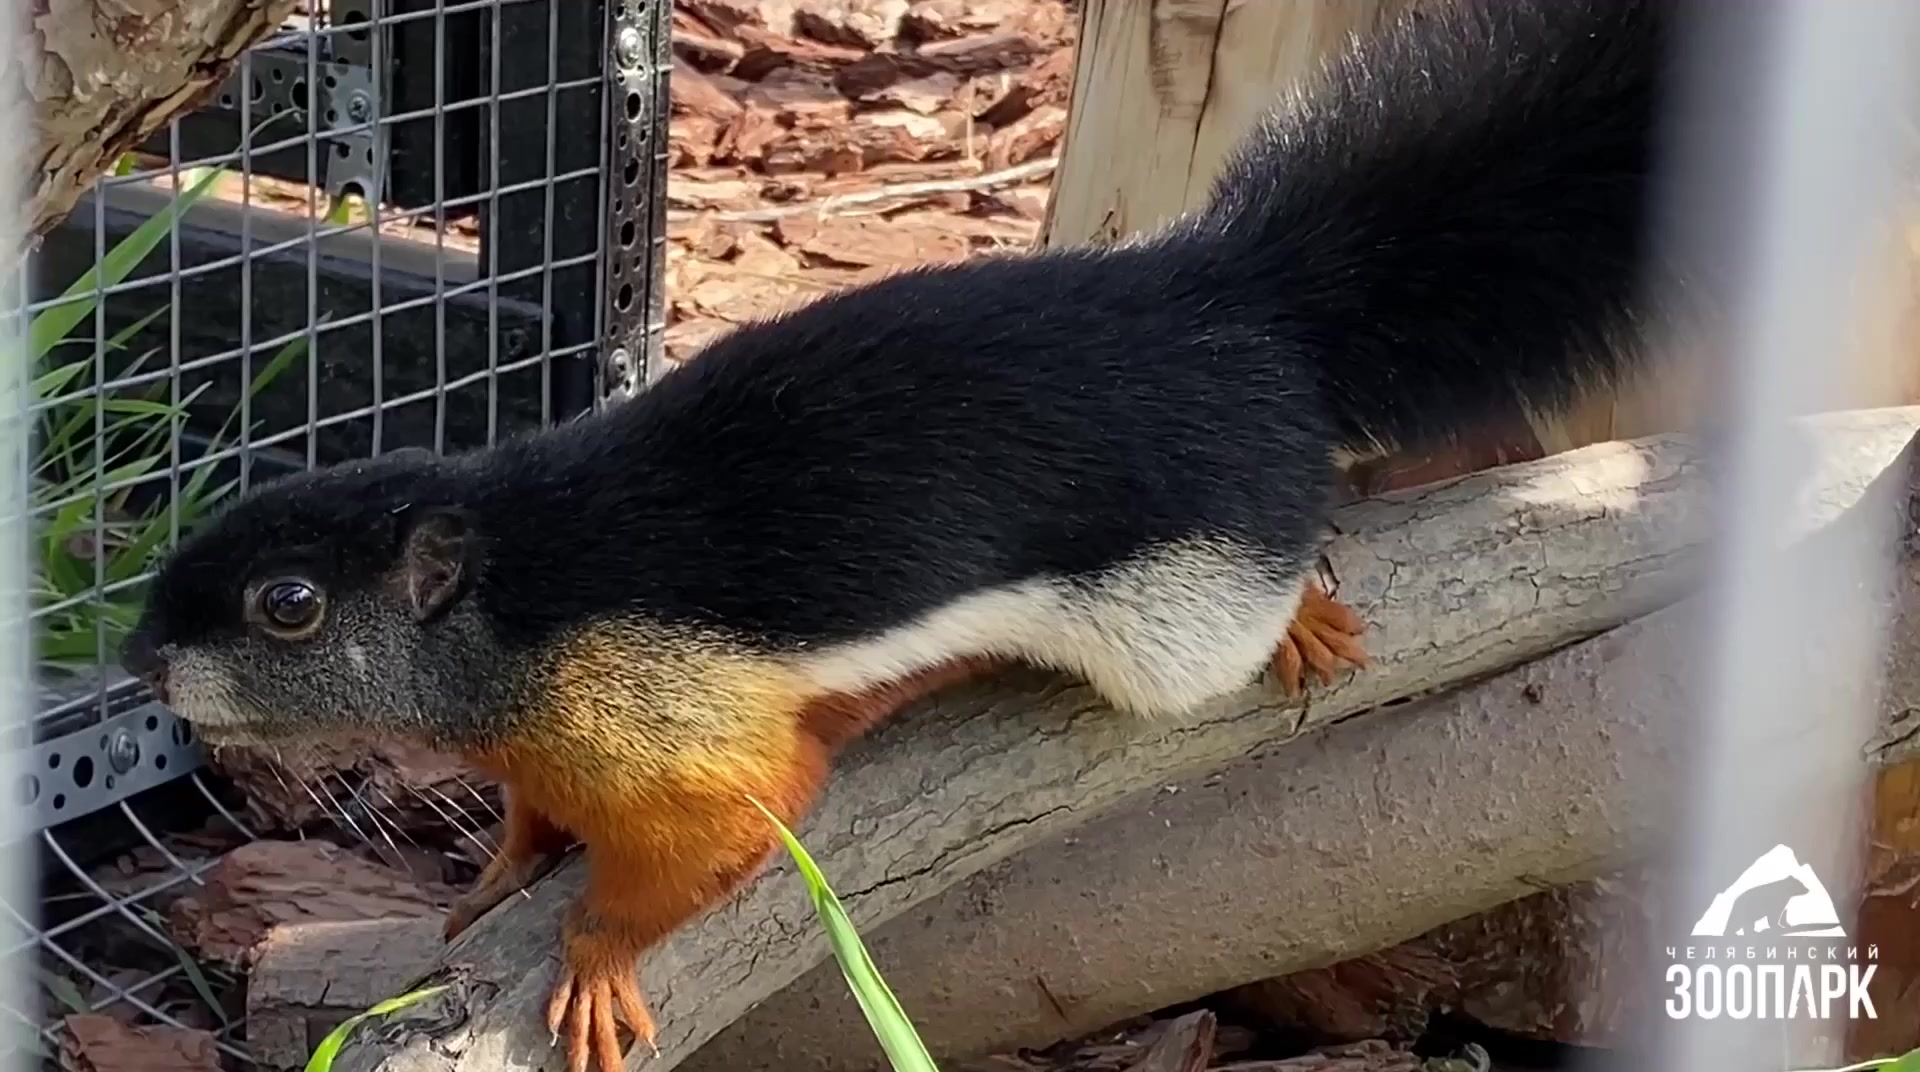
{"x":1117,"y":463}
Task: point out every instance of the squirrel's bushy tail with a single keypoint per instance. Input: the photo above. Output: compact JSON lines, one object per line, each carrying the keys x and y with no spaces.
{"x":1457,"y":218}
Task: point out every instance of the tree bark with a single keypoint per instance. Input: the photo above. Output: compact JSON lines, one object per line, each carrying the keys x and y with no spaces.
{"x":1456,"y":580}
{"x":1553,"y":772}
{"x":103,"y":75}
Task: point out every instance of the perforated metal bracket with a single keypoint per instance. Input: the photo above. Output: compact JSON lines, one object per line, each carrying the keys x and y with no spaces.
{"x":357,"y":154}
{"x":639,"y":59}
{"x":352,"y":100}
{"x":348,"y":99}
{"x":78,"y":773}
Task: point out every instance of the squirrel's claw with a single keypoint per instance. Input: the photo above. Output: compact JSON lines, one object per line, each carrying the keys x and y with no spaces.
{"x":587,"y":1002}
{"x":1322,"y":635}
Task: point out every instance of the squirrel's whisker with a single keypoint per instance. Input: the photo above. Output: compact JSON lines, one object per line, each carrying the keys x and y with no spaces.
{"x":331,"y":815}
{"x":395,"y":805}
{"x":341,"y":811}
{"x":381,"y":823}
{"x":477,"y":795}
{"x":479,"y":833}
{"x":475,"y":835}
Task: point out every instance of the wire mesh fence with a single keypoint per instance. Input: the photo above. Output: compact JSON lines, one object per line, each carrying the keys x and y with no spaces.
{"x":400,"y":223}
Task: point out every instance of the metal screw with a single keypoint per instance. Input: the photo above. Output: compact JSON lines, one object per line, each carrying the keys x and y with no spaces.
{"x":359,"y":108}
{"x":123,"y":752}
{"x":620,"y":372}
{"x":627,"y":46}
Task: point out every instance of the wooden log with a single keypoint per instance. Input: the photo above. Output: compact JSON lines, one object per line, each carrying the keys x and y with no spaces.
{"x":1550,"y":773}
{"x":1456,"y":581}
{"x":308,"y":978}
{"x":102,"y":76}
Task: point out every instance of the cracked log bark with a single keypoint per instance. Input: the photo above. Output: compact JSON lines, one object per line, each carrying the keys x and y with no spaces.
{"x":1457,"y":580}
{"x":1553,"y":772}
{"x":103,"y":75}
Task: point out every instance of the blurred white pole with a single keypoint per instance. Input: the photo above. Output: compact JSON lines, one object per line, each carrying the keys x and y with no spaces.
{"x":1788,"y":154}
{"x":18,"y":871}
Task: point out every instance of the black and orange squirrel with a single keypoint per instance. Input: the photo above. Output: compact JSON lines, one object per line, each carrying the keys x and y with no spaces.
{"x":1115,"y":463}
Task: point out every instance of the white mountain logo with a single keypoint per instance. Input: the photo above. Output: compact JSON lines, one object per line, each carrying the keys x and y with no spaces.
{"x":1777,"y":896}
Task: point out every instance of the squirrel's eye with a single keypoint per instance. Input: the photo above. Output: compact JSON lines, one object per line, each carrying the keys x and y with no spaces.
{"x":290,"y":604}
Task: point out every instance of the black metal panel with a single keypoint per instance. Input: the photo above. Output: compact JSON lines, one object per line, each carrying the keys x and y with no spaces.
{"x":411,"y":47}
{"x":209,"y":316}
{"x":543,"y":135}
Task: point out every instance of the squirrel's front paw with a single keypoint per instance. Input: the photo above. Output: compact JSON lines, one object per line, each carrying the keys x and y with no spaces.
{"x":597,"y":981}
{"x":1324,"y":633}
{"x":502,"y":878}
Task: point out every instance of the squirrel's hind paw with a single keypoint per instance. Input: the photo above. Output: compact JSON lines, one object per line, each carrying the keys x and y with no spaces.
{"x":1323,"y":635}
{"x":595,"y":986}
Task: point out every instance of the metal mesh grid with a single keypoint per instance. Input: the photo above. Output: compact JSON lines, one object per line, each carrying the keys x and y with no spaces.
{"x":408,"y":244}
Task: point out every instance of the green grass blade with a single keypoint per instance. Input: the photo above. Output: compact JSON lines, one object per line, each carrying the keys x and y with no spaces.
{"x":884,"y":1016}
{"x":53,"y":324}
{"x":50,"y":382}
{"x":1908,"y":1062}
{"x":64,"y":991}
{"x":139,"y":407}
{"x":68,"y":522}
{"x":330,"y":1047}
{"x":286,"y":356}
{"x":119,"y":339}
{"x":195,"y":977}
{"x":340,"y":211}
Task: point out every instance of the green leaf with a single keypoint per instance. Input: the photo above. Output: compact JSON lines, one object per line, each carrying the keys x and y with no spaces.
{"x":330,"y":1046}
{"x":884,"y":1016}
{"x":64,"y":991}
{"x":124,"y":434}
{"x":130,"y":560}
{"x":76,"y":647}
{"x":53,"y":324}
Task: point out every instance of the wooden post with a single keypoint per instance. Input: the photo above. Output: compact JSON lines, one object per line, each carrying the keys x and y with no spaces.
{"x":1162,"y":89}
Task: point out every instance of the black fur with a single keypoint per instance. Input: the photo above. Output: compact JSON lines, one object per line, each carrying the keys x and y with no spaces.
{"x":1456,"y":222}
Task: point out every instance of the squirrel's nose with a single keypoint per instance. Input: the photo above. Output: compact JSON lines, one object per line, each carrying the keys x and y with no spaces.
{"x":141,"y":659}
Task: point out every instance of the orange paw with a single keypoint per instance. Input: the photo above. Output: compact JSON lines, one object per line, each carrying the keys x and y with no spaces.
{"x":1323,"y":634}
{"x":596,"y":982}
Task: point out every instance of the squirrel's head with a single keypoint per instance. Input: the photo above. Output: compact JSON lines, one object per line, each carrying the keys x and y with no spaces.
{"x":327,"y":601}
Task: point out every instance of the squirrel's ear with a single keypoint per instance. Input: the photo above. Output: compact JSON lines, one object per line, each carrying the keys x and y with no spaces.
{"x":436,"y":560}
